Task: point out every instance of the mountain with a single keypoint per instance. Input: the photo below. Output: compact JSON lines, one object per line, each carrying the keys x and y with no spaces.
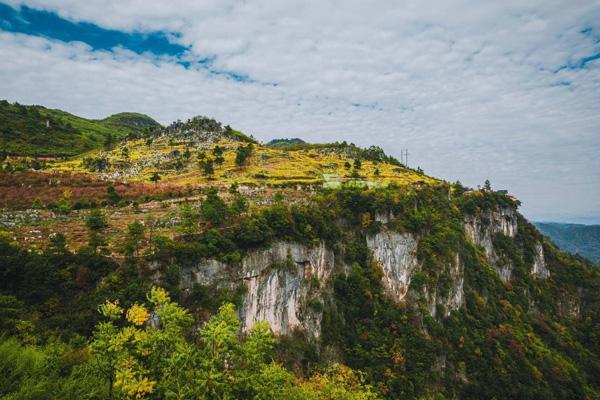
{"x":38,"y":131}
{"x":583,"y":240}
{"x":282,"y":271}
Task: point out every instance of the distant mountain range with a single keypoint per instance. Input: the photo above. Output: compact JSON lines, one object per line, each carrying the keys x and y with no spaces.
{"x":583,"y":240}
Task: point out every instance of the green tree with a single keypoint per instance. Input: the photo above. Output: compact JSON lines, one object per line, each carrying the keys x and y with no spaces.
{"x":243,"y":153}
{"x":96,"y":224}
{"x":207,"y":167}
{"x":135,"y":235}
{"x":487,"y":186}
{"x":214,"y":209}
{"x":112,"y":195}
{"x":188,"y":219}
{"x":108,"y":141}
{"x":217,"y":151}
{"x":155,"y":177}
{"x":57,"y":244}
{"x":357,"y":164}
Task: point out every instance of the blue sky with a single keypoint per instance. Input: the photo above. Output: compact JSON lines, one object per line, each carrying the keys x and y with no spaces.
{"x":507,"y":91}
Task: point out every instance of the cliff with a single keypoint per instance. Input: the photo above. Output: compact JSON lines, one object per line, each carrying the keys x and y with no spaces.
{"x":287,"y":283}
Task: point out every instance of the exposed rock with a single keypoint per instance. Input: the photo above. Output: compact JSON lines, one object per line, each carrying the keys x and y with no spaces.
{"x":397,"y":254}
{"x":539,"y":268}
{"x":287,"y":282}
{"x":480,"y":229}
{"x":280,"y":284}
{"x":454,"y":299}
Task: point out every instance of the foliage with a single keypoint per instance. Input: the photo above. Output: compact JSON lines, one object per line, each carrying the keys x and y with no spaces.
{"x":38,"y":131}
{"x":243,"y":153}
{"x":96,"y":224}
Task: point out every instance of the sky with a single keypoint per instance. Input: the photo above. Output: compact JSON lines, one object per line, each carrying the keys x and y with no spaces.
{"x":502,"y":90}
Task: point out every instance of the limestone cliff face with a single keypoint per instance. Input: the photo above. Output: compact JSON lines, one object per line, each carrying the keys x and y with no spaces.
{"x":283,"y":285}
{"x":287,"y":283}
{"x":397,"y":254}
{"x":481,"y":229}
{"x":539,"y":268}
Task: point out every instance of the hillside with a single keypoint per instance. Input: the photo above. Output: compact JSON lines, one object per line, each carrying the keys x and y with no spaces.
{"x":38,"y":131}
{"x":583,"y":240}
{"x":202,"y":152}
{"x":192,"y":261}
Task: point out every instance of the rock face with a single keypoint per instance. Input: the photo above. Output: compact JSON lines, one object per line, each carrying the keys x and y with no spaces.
{"x":287,"y":283}
{"x":481,"y":229}
{"x":282,"y":282}
{"x":539,"y":268}
{"x":397,"y":254}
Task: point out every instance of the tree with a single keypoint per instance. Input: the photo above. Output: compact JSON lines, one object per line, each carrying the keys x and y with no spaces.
{"x":207,"y":167}
{"x":188,"y":219}
{"x":357,"y":164}
{"x":217,"y":151}
{"x":112,"y":195}
{"x":347,"y":165}
{"x":243,"y":153}
{"x":57,"y":244}
{"x":144,"y":352}
{"x":155,"y":177}
{"x":108,"y":141}
{"x":214,"y":209}
{"x":96,"y":225}
{"x":135,"y":235}
{"x":487,"y":186}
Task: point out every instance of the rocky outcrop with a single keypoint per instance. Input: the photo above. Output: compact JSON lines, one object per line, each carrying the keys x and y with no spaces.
{"x":539,"y":268}
{"x":397,"y":254}
{"x":287,"y":283}
{"x":282,"y":283}
{"x":453,"y":298}
{"x":480,"y":229}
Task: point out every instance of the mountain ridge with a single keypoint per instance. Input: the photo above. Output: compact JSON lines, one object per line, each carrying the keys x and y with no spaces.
{"x":428,"y":288}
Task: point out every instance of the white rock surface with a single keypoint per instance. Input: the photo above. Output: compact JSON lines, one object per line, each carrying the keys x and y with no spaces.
{"x":539,"y":268}
{"x":481,"y":229}
{"x":397,"y":254}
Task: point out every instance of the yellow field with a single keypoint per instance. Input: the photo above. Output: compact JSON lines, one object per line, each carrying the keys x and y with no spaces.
{"x":266,"y":166}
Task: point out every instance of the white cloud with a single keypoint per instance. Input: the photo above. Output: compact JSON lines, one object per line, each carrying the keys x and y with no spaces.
{"x":468,"y":86}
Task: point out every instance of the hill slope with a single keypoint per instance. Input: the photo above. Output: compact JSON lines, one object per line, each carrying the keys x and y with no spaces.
{"x":580,"y":239}
{"x":202,"y":151}
{"x":432,"y":291}
{"x":39,"y":131}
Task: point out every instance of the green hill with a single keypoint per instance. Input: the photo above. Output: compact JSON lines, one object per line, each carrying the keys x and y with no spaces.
{"x":39,"y":131}
{"x":583,"y":240}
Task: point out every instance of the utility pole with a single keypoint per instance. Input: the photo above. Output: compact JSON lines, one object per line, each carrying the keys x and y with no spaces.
{"x":406,"y":157}
{"x":402,"y":156}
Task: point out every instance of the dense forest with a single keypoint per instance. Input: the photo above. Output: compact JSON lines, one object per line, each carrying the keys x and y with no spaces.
{"x":95,"y":323}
